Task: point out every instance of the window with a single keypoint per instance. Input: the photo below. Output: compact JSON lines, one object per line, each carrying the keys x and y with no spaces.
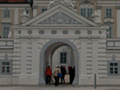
{"x":5,"y":67}
{"x":113,"y":68}
{"x":86,"y":12}
{"x":6,"y":29}
{"x":43,"y":9}
{"x":6,"y":13}
{"x":109,"y":32}
{"x":109,"y":12}
{"x":63,"y":57}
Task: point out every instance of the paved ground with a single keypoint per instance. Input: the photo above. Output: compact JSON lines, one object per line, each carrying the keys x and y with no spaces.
{"x":60,"y":87}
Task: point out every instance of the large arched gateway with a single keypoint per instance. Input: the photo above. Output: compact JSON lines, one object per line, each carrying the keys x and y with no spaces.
{"x":54,"y":44}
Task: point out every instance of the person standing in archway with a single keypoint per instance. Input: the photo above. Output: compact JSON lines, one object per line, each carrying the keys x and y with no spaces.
{"x":56,"y":71}
{"x":63,"y":72}
{"x":48,"y":75}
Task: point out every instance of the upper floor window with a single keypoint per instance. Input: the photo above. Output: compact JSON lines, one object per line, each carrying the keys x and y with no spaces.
{"x":63,"y":57}
{"x":109,"y":32}
{"x":6,"y":13}
{"x":43,"y":9}
{"x":86,"y":12}
{"x":6,"y":29}
{"x":108,"y":12}
{"x":113,"y":68}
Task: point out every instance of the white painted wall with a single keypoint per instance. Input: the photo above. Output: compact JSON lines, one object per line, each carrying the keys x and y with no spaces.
{"x":56,"y":57}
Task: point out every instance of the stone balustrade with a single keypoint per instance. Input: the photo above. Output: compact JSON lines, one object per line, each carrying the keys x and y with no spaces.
{"x":113,"y":43}
{"x":6,"y":43}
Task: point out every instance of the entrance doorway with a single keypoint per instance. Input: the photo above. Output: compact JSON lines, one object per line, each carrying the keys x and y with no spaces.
{"x":60,"y":53}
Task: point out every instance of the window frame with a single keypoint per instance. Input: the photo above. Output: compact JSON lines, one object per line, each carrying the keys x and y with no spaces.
{"x":10,"y":66}
{"x":109,"y":14}
{"x":86,"y":12}
{"x":118,"y":62}
{"x":6,"y":27}
{"x":63,"y":61}
{"x":6,"y":13}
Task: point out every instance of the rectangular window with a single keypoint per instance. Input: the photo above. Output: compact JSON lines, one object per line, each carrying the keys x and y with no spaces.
{"x":86,"y":12}
{"x":113,"y":68}
{"x":63,"y":57}
{"x":6,"y":13}
{"x":5,"y":67}
{"x":44,"y":9}
{"x":109,"y":32}
{"x":108,"y":12}
{"x":6,"y":29}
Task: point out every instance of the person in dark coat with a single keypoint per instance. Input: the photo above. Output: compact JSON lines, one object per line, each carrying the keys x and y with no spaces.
{"x":63,"y":72}
{"x":48,"y":75}
{"x":70,"y":74}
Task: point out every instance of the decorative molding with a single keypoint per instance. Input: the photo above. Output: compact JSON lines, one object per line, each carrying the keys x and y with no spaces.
{"x":117,"y":7}
{"x":99,"y":7}
{"x":86,"y":2}
{"x":35,"y":7}
{"x":59,"y":18}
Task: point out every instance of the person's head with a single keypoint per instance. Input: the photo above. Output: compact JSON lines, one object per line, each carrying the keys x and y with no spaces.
{"x":56,"y":66}
{"x":48,"y":66}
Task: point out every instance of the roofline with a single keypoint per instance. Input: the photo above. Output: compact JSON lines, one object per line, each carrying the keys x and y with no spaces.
{"x":15,"y":3}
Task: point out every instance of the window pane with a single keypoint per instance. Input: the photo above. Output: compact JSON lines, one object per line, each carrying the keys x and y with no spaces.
{"x":111,"y":69}
{"x":63,"y":57}
{"x":8,"y":69}
{"x":111,"y":72}
{"x":3,"y":69}
{"x":8,"y":63}
{"x":116,"y":69}
{"x":115,"y":64}
{"x":116,"y":72}
{"x":111,"y":64}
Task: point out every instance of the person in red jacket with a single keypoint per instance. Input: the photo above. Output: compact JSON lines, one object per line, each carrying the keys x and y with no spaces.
{"x":48,"y":75}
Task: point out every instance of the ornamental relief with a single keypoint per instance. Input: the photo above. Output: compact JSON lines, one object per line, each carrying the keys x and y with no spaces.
{"x":59,"y":18}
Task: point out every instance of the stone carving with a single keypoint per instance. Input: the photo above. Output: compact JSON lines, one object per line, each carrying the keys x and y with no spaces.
{"x":68,"y":3}
{"x":59,"y":18}
{"x":10,"y":34}
{"x":24,"y":16}
{"x":96,"y":18}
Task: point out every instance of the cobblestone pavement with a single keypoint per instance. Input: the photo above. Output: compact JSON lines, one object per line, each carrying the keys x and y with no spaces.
{"x":60,"y":87}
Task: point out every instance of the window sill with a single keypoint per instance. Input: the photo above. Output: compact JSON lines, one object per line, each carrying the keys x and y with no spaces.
{"x":6,"y":20}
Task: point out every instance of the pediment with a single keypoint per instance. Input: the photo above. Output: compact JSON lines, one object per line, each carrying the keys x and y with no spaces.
{"x":59,"y":15}
{"x":60,"y":18}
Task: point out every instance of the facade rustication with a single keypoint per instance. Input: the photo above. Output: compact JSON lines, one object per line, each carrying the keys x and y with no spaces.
{"x":84,"y":34}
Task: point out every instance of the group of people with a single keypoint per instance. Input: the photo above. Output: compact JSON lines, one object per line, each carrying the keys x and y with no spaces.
{"x":59,"y":72}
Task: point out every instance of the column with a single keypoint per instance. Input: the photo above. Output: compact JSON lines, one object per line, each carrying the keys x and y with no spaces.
{"x":118,"y":21}
{"x":34,"y":10}
{"x":16,"y":16}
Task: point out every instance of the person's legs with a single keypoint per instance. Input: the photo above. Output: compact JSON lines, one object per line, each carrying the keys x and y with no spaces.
{"x":55,"y":81}
{"x":47,"y":79}
{"x":63,"y":78}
